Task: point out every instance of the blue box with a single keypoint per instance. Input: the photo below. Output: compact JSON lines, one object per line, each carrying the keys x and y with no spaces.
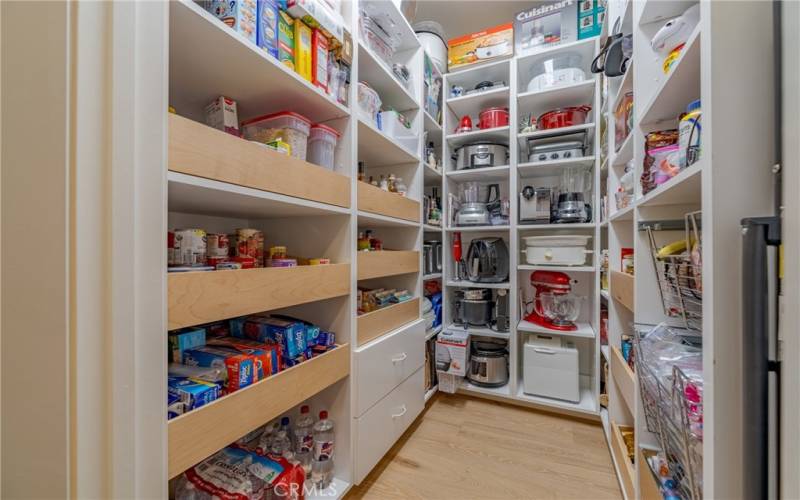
{"x":238,"y":14}
{"x":192,"y":393}
{"x":180,"y":341}
{"x":241,"y":367}
{"x":267,"y":33}
{"x":289,"y":335}
{"x":326,"y":339}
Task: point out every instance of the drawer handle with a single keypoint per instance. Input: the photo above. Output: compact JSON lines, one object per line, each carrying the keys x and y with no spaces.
{"x":400,"y":358}
{"x":403,"y":412}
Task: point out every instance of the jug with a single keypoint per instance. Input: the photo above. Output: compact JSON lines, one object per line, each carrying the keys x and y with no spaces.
{"x":573,"y":191}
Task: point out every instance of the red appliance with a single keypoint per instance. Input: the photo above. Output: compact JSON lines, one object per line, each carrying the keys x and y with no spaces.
{"x":563,"y":117}
{"x":493,"y":117}
{"x":465,"y":125}
{"x":553,"y":282}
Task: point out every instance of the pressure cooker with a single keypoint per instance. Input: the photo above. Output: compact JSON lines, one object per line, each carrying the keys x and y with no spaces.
{"x":481,"y":154}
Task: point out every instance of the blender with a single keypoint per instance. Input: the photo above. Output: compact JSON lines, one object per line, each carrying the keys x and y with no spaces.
{"x":474,"y":209}
{"x":572,"y":194}
{"x":555,"y":306}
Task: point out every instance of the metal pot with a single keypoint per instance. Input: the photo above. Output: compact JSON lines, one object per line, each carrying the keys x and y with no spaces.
{"x":481,"y":154}
{"x":563,"y":117}
{"x":488,"y":365}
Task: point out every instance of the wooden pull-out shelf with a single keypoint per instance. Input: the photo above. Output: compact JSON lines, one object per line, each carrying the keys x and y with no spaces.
{"x":196,"y":149}
{"x":387,"y":263}
{"x":376,"y":323}
{"x":626,"y":469}
{"x":377,"y":201}
{"x":622,"y":288}
{"x":648,"y":487}
{"x":624,"y":378}
{"x":202,"y":432}
{"x":205,"y":296}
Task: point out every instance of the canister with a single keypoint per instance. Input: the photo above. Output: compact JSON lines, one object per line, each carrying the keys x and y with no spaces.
{"x":250,"y":243}
{"x":689,"y":135}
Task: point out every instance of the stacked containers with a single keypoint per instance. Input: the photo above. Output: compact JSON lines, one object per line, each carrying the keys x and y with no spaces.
{"x":290,"y":127}
{"x":369,"y":103}
{"x":322,"y":145}
{"x":380,"y":41}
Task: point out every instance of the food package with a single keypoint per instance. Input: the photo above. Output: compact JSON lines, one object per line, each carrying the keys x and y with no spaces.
{"x":221,"y":114}
{"x":268,"y":353}
{"x":316,"y":14}
{"x":236,"y":472}
{"x":286,"y":39}
{"x":302,"y":49}
{"x":291,"y":336}
{"x":319,"y":60}
{"x":654,"y":141}
{"x":181,"y":340}
{"x":486,"y":45}
{"x":191,"y":393}
{"x":238,"y":14}
{"x":267,"y":33}
{"x":241,"y":367}
{"x":548,"y":24}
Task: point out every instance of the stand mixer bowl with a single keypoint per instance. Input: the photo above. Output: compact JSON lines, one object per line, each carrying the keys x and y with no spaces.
{"x":561,"y":309}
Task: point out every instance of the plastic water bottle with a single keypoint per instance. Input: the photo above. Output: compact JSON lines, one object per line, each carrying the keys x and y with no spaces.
{"x":265,"y":441}
{"x":286,"y":426}
{"x":322,"y":466}
{"x":304,"y":439}
{"x":281,"y":445}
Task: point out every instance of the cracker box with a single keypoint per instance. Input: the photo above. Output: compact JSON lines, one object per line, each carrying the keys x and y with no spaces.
{"x":452,"y":349}
{"x":221,"y":114}
{"x":591,"y":16}
{"x":267,"y":33}
{"x":302,"y":49}
{"x":549,"y":24}
{"x":193,"y":393}
{"x":319,"y":60}
{"x":238,"y":14}
{"x":286,"y":39}
{"x":487,"y":45}
{"x":241,"y":367}
{"x":182,"y":340}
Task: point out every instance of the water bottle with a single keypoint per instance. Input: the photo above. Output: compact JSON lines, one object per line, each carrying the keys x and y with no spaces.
{"x":304,"y":439}
{"x":281,"y":445}
{"x":322,"y":466}
{"x":265,"y":441}
{"x":286,"y":426}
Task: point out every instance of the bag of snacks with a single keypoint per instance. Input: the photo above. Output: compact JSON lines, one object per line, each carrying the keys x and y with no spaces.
{"x":654,"y":141}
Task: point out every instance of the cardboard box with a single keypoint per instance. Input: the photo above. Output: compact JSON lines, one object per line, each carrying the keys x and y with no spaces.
{"x":302,"y":49}
{"x":319,"y":54}
{"x":180,"y":341}
{"x":192,"y":393}
{"x":267,"y":33}
{"x":267,"y":353}
{"x":291,"y":336}
{"x":286,"y":39}
{"x":221,"y":114}
{"x":487,"y":45}
{"x":452,"y":352}
{"x":241,"y":367}
{"x":238,"y":14}
{"x":591,"y":16}
{"x":545,"y":25}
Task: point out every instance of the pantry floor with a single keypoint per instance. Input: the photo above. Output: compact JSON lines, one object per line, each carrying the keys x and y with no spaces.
{"x":463,"y":448}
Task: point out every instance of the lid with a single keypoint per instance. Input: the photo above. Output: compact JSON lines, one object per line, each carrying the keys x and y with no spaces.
{"x":563,"y":240}
{"x":323,"y":415}
{"x":320,"y":126}
{"x":430,"y":27}
{"x":496,"y":108}
{"x":282,"y":114}
{"x":693,"y":106}
{"x":285,"y":421}
{"x":304,"y":409}
{"x":568,"y":109}
{"x":481,"y":143}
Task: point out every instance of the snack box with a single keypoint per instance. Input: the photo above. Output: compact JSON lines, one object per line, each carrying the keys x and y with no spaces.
{"x":238,"y":14}
{"x":544,"y":25}
{"x":241,"y":367}
{"x":267,"y":33}
{"x":319,"y":60}
{"x":286,"y":39}
{"x":302,"y":49}
{"x":487,"y":45}
{"x":193,"y":393}
{"x":221,"y":114}
{"x":289,"y":335}
{"x":269,"y":353}
{"x":181,"y":340}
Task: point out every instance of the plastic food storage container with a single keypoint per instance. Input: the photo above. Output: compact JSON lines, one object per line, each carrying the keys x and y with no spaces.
{"x":392,"y":124}
{"x":563,"y":69}
{"x":369,"y":102}
{"x":378,"y":39}
{"x":322,"y":145}
{"x":290,"y":127}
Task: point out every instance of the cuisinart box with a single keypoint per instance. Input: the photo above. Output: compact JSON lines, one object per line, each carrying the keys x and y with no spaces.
{"x":548,"y":24}
{"x":452,"y":352}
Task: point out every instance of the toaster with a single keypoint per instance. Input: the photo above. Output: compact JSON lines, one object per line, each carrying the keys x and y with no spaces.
{"x":555,"y":151}
{"x":487,"y":260}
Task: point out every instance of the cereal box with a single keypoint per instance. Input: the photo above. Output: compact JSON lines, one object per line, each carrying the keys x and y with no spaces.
{"x":286,"y":39}
{"x":302,"y":49}
{"x":487,"y":45}
{"x":267,"y":34}
{"x":238,"y":14}
{"x":221,"y":114}
{"x":185,"y":339}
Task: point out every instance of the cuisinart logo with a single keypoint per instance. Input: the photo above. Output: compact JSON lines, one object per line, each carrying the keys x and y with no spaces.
{"x":544,"y":9}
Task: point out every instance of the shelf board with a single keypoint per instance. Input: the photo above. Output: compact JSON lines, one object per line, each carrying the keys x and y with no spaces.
{"x":208,"y":58}
{"x":584,"y":330}
{"x":378,"y":323}
{"x":587,"y":404}
{"x":563,"y":269}
{"x":431,"y":392}
{"x":377,"y":201}
{"x":431,"y":126}
{"x":658,"y":10}
{"x":198,"y":434}
{"x":480,"y":331}
{"x":625,"y":214}
{"x":389,"y":15}
{"x":683,"y":189}
{"x":552,"y":134}
{"x":676,"y":89}
{"x":434,"y":332}
{"x":469,"y":76}
{"x":198,"y":297}
{"x":625,"y":152}
{"x":377,"y":149}
{"x":470,"y":284}
{"x":479,"y":174}
{"x":465,"y":386}
{"x":476,"y":229}
{"x":555,"y":227}
{"x":619,"y":453}
{"x":431,"y":229}
{"x":623,"y":377}
{"x":542,"y":101}
{"x":622,"y":288}
{"x":432,"y":276}
{"x":379,"y":76}
{"x":215,"y":173}
{"x":366,"y":219}
{"x":431,"y":175}
{"x":498,"y":134}
{"x":552,"y":167}
{"x":385,"y":263}
{"x":472,"y":104}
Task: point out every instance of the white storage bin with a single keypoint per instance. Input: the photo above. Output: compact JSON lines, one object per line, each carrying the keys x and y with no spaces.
{"x":551,"y":371}
{"x":290,"y":127}
{"x":391,"y":126}
{"x":322,"y":145}
{"x":369,"y":103}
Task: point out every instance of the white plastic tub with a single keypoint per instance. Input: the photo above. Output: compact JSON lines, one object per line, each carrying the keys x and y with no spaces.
{"x":322,"y":145}
{"x":290,"y":127}
{"x":567,"y":250}
{"x":391,"y":126}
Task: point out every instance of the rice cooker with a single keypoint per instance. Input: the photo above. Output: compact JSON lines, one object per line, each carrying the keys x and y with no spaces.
{"x":488,"y":364}
{"x":481,"y":154}
{"x":562,"y":250}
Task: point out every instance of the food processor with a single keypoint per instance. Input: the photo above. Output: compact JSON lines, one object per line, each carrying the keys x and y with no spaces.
{"x":555,"y":306}
{"x":474,"y":209}
{"x":572,"y":206}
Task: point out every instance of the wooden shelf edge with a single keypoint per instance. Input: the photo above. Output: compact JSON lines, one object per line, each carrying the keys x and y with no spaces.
{"x":377,"y":201}
{"x":200,"y":433}
{"x":624,"y":466}
{"x":386,"y":263}
{"x":622,"y":288}
{"x":624,"y":377}
{"x":378,"y":323}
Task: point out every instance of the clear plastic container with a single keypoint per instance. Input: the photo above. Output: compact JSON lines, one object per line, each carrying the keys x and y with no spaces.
{"x":322,"y":146}
{"x":369,"y":102}
{"x":378,"y":39}
{"x":290,"y":127}
{"x":562,"y":69}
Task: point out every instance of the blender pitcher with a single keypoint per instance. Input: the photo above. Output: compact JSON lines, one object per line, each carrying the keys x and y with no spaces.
{"x":573,"y":191}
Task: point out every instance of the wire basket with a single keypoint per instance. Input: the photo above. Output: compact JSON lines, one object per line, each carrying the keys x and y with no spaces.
{"x":680,"y":277}
{"x":673,"y":411}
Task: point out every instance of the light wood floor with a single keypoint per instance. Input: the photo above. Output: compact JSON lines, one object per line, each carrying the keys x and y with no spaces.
{"x":465,"y":448}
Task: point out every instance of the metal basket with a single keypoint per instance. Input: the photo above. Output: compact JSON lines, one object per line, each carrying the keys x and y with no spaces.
{"x":673,"y":418}
{"x":680,"y":280}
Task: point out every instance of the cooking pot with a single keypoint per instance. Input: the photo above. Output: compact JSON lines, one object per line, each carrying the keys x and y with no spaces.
{"x":500,"y":48}
{"x":488,"y":365}
{"x":481,"y":154}
{"x":473,"y":307}
{"x":567,"y":250}
{"x":563,"y":117}
{"x":493,"y":117}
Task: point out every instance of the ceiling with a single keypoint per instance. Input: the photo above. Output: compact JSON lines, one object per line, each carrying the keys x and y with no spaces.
{"x":460,"y":17}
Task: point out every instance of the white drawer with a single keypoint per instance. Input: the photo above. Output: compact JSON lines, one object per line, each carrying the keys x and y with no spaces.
{"x":383,"y":364}
{"x":379,"y":428}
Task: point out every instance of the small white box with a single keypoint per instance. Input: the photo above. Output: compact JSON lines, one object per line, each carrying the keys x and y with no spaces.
{"x":452,"y":352}
{"x":550,"y":371}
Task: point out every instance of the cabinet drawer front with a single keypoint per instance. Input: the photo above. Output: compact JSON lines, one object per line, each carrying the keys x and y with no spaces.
{"x":384,"y":364}
{"x":379,"y":428}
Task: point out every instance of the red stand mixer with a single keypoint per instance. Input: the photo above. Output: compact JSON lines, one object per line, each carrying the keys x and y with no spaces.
{"x":555,"y":306}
